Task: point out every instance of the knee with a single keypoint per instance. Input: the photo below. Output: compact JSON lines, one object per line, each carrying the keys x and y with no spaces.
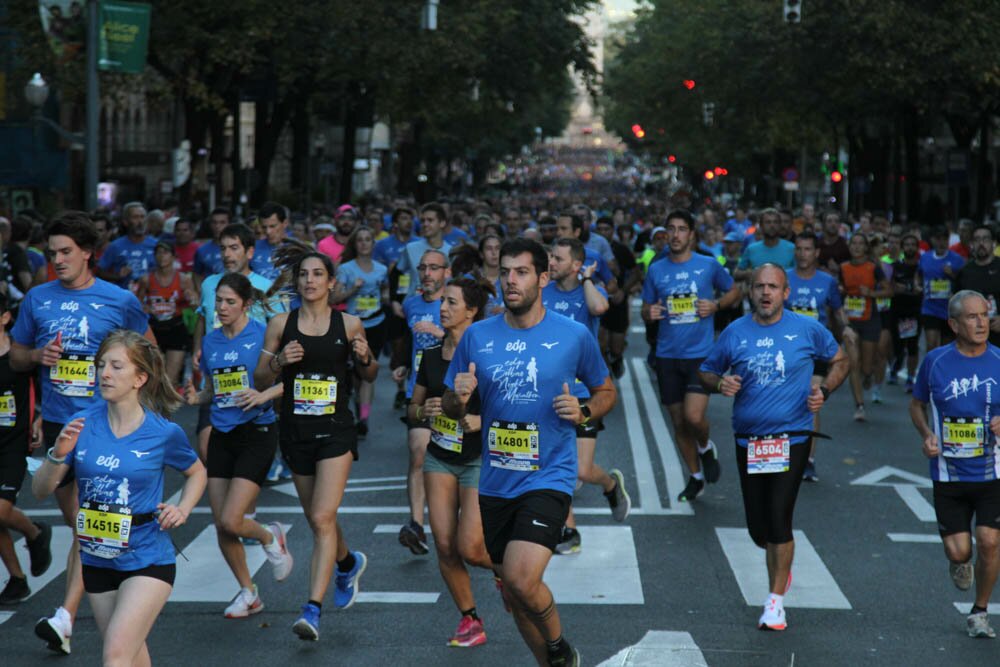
{"x":324,"y":522}
{"x":958,"y":553}
{"x":520,"y":587}
{"x":445,"y":547}
{"x":229,"y":526}
{"x":6,"y":510}
{"x":584,"y":470}
{"x":988,"y":544}
{"x":474,"y":554}
{"x":115,"y":655}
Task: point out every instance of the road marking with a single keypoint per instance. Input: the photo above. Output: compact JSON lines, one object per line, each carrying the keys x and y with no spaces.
{"x":649,"y":495}
{"x":915,"y":500}
{"x":881,"y":477}
{"x":398,"y":597}
{"x":605,"y":571}
{"x":637,"y":328}
{"x":380,"y":509}
{"x":289,"y":488}
{"x":664,"y":442}
{"x":372,"y":480}
{"x":660,"y":647}
{"x":919,"y":538}
{"x":62,"y":541}
{"x":6,"y":616}
{"x":387,"y":528}
{"x":814,"y":587}
{"x":965,"y":607}
{"x":204,"y":577}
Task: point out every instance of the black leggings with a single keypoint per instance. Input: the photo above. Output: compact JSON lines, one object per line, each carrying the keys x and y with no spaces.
{"x":769,"y":498}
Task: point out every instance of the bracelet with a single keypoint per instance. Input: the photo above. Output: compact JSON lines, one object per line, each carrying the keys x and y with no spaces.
{"x":54,"y":459}
{"x":718,"y":387}
{"x":825,"y":391}
{"x":420,"y":413}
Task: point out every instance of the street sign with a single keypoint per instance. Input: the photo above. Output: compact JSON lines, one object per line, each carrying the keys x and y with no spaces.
{"x":790,"y":174}
{"x":124,"y":36}
{"x":791,"y":186}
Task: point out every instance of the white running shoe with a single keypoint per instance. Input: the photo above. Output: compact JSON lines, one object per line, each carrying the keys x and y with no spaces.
{"x":245,"y":603}
{"x":277,"y":552}
{"x":56,"y":631}
{"x":773,"y":617}
{"x":962,"y":575}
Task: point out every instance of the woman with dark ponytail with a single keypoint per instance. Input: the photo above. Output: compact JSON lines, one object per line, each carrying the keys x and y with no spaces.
{"x":318,"y":352}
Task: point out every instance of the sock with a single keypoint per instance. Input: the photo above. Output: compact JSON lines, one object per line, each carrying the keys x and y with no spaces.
{"x":877,"y":387}
{"x":347,"y":564}
{"x":702,"y":450}
{"x":977,"y":609}
{"x":812,"y":460}
{"x":251,"y":515}
{"x":318,"y":605}
{"x":778,"y":599}
{"x":700,"y":476}
{"x":366,"y":409}
{"x":471,"y":613}
{"x":557,"y":646}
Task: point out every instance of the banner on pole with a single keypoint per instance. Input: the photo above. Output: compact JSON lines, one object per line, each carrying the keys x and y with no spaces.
{"x":124,"y":36}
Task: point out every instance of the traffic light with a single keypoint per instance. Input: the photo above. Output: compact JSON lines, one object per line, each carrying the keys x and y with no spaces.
{"x":638,"y":131}
{"x":836,"y":176}
{"x":689,"y":84}
{"x":709,"y":174}
{"x":793,"y":11}
{"x":671,"y":159}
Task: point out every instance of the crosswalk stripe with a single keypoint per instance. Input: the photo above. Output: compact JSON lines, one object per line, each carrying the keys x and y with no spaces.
{"x":915,"y":500}
{"x":813,"y":588}
{"x":649,"y":495}
{"x":397,"y":597}
{"x":965,"y":607}
{"x":659,"y":647}
{"x":920,"y":538}
{"x":605,"y":571}
{"x":5,"y":616}
{"x":62,"y":540}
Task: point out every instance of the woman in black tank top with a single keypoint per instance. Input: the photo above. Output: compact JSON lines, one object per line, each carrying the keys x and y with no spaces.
{"x":451,"y":466}
{"x":316,"y":351}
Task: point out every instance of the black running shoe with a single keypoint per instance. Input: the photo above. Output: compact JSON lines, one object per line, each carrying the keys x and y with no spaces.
{"x":400,"y":401}
{"x":40,"y":550}
{"x":15,"y":590}
{"x":362,"y":428}
{"x":692,"y":490}
{"x":412,"y":536}
{"x":710,"y":463}
{"x":618,"y":367}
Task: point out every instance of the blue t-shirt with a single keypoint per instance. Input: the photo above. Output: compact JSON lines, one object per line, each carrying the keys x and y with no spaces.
{"x":229,"y":363}
{"x":128,"y":472}
{"x":367,"y":302}
{"x":416,"y":309}
{"x":526,"y":446}
{"x":85,"y":317}
{"x":124,"y":252}
{"x":279,"y":303}
{"x":603,"y":272}
{"x":741,"y":227}
{"x":456,"y":237}
{"x":963,"y":396}
{"x":261,"y":262}
{"x":775,"y":363}
{"x":572,"y":304}
{"x":813,"y":296}
{"x":677,"y":286}
{"x":758,"y":253}
{"x":388,"y":250}
{"x":208,"y":259}
{"x":938,"y":287}
{"x":495,"y":301}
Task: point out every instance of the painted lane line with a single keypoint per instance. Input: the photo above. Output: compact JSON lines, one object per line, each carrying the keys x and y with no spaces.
{"x":883,"y":475}
{"x":660,"y":647}
{"x":387,"y":509}
{"x":915,"y":500}
{"x":372,"y":480}
{"x":814,"y":586}
{"x":204,"y":577}
{"x":605,"y":571}
{"x":398,"y":597}
{"x":5,"y":616}
{"x":637,"y":329}
{"x":62,"y":541}
{"x":389,"y":528}
{"x":965,"y":607}
{"x":917,"y":538}
{"x":649,"y":495}
{"x":672,"y":470}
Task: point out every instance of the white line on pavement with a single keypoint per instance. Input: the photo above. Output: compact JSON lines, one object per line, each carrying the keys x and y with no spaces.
{"x":965,"y":607}
{"x":605,"y":571}
{"x":661,"y":434}
{"x":649,"y":495}
{"x":386,"y":509}
{"x":916,"y":502}
{"x":5,"y":616}
{"x":813,"y":587}
{"x":659,"y":647}
{"x":398,"y":597}
{"x":637,"y":329}
{"x":920,"y":538}
{"x":372,"y":480}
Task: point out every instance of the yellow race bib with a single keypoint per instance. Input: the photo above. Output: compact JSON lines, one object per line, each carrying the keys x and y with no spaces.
{"x":514,"y":446}
{"x":227,"y":382}
{"x":682,"y":308}
{"x":8,"y":409}
{"x":446,"y":433}
{"x":74,"y":375}
{"x":404,"y":284}
{"x":940,"y":288}
{"x":314,"y":394}
{"x":366,"y":304}
{"x":963,"y":437}
{"x":854,"y":307}
{"x":103,"y":528}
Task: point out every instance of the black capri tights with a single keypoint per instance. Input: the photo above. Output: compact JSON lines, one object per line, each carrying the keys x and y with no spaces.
{"x":769,"y":499}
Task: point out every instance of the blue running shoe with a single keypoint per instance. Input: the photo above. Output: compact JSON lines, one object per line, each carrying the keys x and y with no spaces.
{"x":307,"y":627}
{"x":346,"y":588}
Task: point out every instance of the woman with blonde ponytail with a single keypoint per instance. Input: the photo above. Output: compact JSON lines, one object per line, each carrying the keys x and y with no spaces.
{"x":119,"y":449}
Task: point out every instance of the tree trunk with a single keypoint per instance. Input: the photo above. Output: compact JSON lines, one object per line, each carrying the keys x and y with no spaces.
{"x":984,"y":183}
{"x":912,"y":148}
{"x":346,"y":180}
{"x":267,"y":132}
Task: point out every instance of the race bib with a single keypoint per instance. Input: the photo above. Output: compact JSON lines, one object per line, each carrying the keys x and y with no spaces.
{"x":513,"y":446}
{"x":940,"y":288}
{"x":8,"y":409}
{"x":366,"y":304}
{"x":103,"y":528}
{"x":883,"y":304}
{"x":227,"y":382}
{"x":162,"y":309}
{"x":74,"y":375}
{"x":315,"y":394}
{"x":404,"y":284}
{"x":908,"y":327}
{"x":768,"y":454}
{"x":446,"y":433}
{"x":963,"y":437}
{"x":854,"y":307}
{"x":808,"y":312}
{"x":682,"y":308}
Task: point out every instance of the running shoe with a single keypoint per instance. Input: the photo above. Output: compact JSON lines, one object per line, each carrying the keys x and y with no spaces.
{"x":307,"y":627}
{"x":979,"y":625}
{"x":400,"y":401}
{"x":876,"y":396}
{"x":56,"y":631}
{"x":859,"y":413}
{"x":346,"y":586}
{"x":773,"y":617}
{"x":618,"y":367}
{"x":692,"y":490}
{"x":570,"y":660}
{"x":962,"y":575}
{"x":618,"y":497}
{"x":362,"y":427}
{"x":909,"y":385}
{"x":246,"y":603}
{"x":15,"y":590}
{"x":412,"y":536}
{"x":40,"y":550}
{"x":277,"y":552}
{"x":274,"y":472}
{"x":710,"y":463}
{"x":570,"y":542}
{"x":809,"y":474}
{"x":470,"y":633}
{"x":892,"y":379}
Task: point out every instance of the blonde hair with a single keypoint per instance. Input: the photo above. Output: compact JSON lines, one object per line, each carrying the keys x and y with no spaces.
{"x":158,"y":393}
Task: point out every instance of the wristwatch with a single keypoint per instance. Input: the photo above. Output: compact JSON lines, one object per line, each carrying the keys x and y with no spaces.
{"x":585,"y":411}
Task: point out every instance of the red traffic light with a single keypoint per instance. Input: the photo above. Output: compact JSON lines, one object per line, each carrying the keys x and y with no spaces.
{"x":671,"y":158}
{"x":689,"y":84}
{"x":718,"y":171}
{"x":836,"y":176}
{"x":638,"y":131}
{"x":709,"y":175}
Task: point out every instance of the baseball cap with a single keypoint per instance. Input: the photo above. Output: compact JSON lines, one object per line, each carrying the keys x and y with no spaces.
{"x":346,"y":209}
{"x":657,"y":230}
{"x":325,"y":225}
{"x":732,"y":237}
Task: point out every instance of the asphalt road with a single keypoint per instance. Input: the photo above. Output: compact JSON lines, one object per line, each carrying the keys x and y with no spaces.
{"x":680,"y":585}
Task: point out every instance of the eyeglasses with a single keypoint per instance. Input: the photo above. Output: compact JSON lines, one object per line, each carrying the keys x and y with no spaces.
{"x":431,"y":267}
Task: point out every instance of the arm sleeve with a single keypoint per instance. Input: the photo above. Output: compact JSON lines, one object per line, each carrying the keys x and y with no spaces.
{"x":721,"y":279}
{"x":178,"y":453}
{"x":718,"y":360}
{"x":922,"y":386}
{"x":459,"y":362}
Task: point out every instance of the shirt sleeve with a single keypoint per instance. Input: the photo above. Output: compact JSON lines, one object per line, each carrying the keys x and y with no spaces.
{"x":718,"y":360}
{"x":836,"y":302}
{"x":106,"y":263}
{"x":721,"y":279}
{"x":825,"y":346}
{"x":24,"y":326}
{"x":459,"y":361}
{"x":744,"y":262}
{"x":403,"y":264}
{"x":649,"y":294}
{"x":922,"y":386}
{"x":135,"y":319}
{"x":178,"y":453}
{"x":590,"y":366}
{"x":603,"y":270}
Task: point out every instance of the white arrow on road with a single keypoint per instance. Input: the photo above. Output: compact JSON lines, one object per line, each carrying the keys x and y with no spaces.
{"x":662,"y":648}
{"x":908,"y":489}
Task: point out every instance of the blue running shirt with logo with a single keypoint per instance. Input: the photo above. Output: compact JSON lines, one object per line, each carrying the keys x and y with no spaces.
{"x":938,"y":286}
{"x":85,"y":317}
{"x":963,"y":395}
{"x":812,"y":297}
{"x":775,"y":363}
{"x":367,"y":302}
{"x":261,"y":262}
{"x":228,"y":366}
{"x":124,"y":252}
{"x":677,"y":286}
{"x":526,"y":446}
{"x":128,"y":473}
{"x":415,"y":309}
{"x":278,"y":303}
{"x":573,"y":304}
{"x":208,"y":259}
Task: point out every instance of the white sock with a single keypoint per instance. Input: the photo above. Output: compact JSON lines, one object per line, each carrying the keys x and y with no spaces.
{"x":700,"y":476}
{"x":779,"y":600}
{"x":702,"y":450}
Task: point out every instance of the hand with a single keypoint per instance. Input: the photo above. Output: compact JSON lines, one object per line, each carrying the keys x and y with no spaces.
{"x":864,"y":290}
{"x":815,"y":400}
{"x":706,"y":307}
{"x":426,"y":327}
{"x":850,"y":337}
{"x":171,"y":516}
{"x":361,"y":352}
{"x":432,"y":408}
{"x":657,"y":312}
{"x":397,"y":310}
{"x":588,"y":271}
{"x":124,"y":271}
{"x":832,"y":266}
{"x":67,"y":438}
{"x":292,"y":353}
{"x":947,"y":270}
{"x":731,"y":384}
{"x":995,"y":324}
{"x":36,"y":433}
{"x":358,"y":284}
{"x":995,"y":425}
{"x":196,"y":358}
{"x":474,"y":423}
{"x":617,"y":297}
{"x":931,"y":448}
{"x":52,"y":351}
{"x":567,"y":406}
{"x":191,"y":394}
{"x":399,"y":374}
{"x":249,"y":399}
{"x":465,"y":384}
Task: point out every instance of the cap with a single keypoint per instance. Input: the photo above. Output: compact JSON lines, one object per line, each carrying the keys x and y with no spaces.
{"x":324,"y":225}
{"x":346,"y":209}
{"x":657,"y":230}
{"x":732,"y":237}
{"x":164,"y":244}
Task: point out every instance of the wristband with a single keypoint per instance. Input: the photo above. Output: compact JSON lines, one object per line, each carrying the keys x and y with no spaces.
{"x":718,"y":387}
{"x":825,"y":391}
{"x":54,"y":459}
{"x":586,"y":278}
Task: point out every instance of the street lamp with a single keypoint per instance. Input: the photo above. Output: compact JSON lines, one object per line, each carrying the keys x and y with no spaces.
{"x":36,"y":91}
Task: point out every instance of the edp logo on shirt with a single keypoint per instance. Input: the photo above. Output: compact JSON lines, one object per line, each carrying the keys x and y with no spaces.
{"x":231,"y":356}
{"x":765,"y":342}
{"x":516,"y":346}
{"x":111,"y":462}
